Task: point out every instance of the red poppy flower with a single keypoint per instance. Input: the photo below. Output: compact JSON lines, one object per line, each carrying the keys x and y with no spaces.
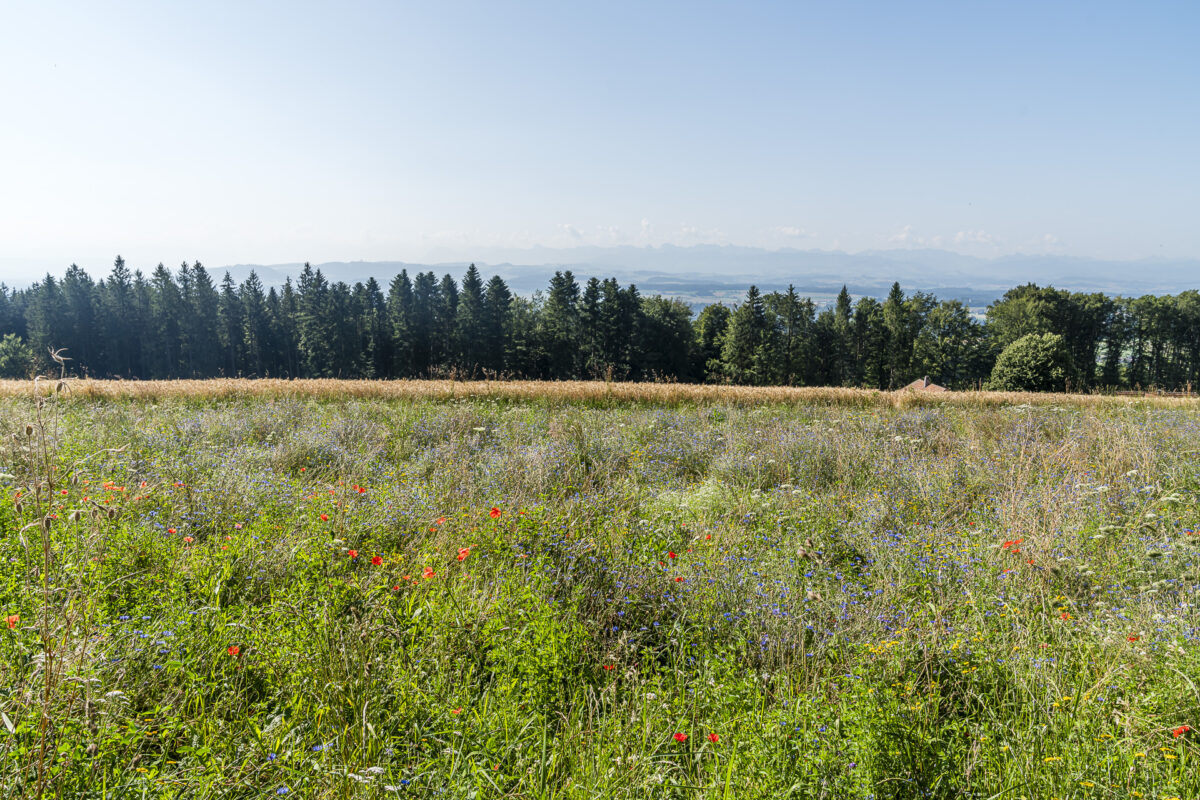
{"x":233,"y":650}
{"x":1180,"y":731}
{"x":324,"y":518}
{"x":1133,"y":637}
{"x":495,"y":512}
{"x":188,"y":539}
{"x":12,"y":620}
{"x":714,"y":738}
{"x":707,"y":536}
{"x":428,"y":572}
{"x":463,"y":552}
{"x":610,"y":666}
{"x":681,"y":737}
{"x":670,"y":554}
{"x":170,"y":530}
{"x":456,"y":711}
{"x":679,"y":580}
{"x":376,"y":560}
{"x":352,"y":553}
{"x":303,"y":468}
{"x":440,"y":521}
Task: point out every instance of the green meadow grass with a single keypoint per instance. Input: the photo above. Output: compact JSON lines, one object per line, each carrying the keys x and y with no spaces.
{"x":248,"y":597}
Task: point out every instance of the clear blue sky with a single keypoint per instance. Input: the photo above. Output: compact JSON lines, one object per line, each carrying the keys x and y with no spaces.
{"x":269,"y":132}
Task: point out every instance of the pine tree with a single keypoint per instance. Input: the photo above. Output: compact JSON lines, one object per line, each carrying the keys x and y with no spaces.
{"x":78,"y":335}
{"x":376,"y":331}
{"x":426,"y":299}
{"x":591,"y":334}
{"x":117,"y":302}
{"x":288,"y":327}
{"x":710,"y":328}
{"x":469,"y":322}
{"x":256,"y":325}
{"x":166,"y":313}
{"x":497,"y":329}
{"x":314,"y":324}
{"x":746,"y":350}
{"x":845,"y":369}
{"x":199,"y":342}
{"x":399,"y":312}
{"x":871,"y":343}
{"x":667,"y":331}
{"x":43,"y":320}
{"x":793,"y":322}
{"x":560,"y":327}
{"x":230,"y":331}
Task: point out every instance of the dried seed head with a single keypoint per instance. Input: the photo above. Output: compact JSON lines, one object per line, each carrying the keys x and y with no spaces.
{"x":29,"y":430}
{"x":75,"y":515}
{"x":58,"y":387}
{"x":46,"y":522}
{"x":112,"y":513}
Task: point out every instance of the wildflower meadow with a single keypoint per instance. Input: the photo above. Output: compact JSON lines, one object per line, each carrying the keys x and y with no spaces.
{"x":479,"y":595}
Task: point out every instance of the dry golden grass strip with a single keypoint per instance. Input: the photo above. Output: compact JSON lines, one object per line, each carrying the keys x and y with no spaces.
{"x":570,"y":392}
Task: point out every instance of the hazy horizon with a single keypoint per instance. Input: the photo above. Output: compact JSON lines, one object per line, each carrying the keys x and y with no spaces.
{"x":278,"y":133}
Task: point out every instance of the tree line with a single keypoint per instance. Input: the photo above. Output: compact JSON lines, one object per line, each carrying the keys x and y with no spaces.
{"x":183,"y":324}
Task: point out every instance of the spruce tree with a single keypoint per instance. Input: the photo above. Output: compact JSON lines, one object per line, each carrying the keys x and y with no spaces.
{"x":497,"y":330}
{"x":468,"y":323}
{"x":399,"y":315}
{"x":746,"y":349}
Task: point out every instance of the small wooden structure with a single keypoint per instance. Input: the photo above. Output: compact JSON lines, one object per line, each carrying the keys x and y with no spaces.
{"x":925,"y":385}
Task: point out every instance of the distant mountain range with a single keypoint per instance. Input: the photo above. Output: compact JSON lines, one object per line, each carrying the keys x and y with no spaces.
{"x":705,"y":274}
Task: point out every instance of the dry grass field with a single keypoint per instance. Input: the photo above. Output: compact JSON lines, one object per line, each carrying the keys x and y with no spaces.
{"x":573,"y":392}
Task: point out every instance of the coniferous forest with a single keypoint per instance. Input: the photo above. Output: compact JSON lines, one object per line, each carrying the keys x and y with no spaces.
{"x":183,"y":324}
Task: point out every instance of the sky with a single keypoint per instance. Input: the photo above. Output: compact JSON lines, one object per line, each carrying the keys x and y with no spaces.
{"x":260,"y":132}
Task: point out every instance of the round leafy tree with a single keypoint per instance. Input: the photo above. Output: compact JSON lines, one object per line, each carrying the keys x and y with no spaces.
{"x":16,"y":358}
{"x":1033,"y":363}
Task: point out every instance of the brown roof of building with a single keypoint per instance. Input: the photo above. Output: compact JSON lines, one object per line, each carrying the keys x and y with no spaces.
{"x":925,"y":385}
